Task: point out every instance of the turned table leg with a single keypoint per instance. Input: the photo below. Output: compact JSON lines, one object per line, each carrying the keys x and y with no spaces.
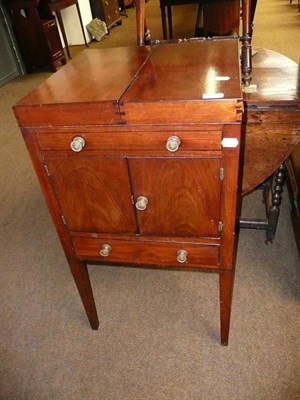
{"x":273,"y":209}
{"x":82,"y":280}
{"x":272,"y":197}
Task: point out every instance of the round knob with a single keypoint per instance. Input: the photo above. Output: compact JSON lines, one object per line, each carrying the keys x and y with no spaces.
{"x":173,"y":143}
{"x":105,"y":249}
{"x":182,"y":256}
{"x":77,"y":144}
{"x":141,"y":203}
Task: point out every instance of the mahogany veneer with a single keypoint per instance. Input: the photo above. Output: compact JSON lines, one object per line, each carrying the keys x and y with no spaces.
{"x":152,"y":172}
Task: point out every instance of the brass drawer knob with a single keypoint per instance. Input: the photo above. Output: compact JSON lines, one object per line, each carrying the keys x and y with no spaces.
{"x":141,"y":203}
{"x":173,"y":143}
{"x":182,"y":256}
{"x":77,"y":144}
{"x":105,"y":250}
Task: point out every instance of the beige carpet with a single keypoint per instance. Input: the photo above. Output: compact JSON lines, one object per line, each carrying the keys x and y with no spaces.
{"x":159,"y":330}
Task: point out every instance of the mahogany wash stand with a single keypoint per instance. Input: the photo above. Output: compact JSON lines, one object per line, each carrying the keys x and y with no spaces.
{"x":139,"y":161}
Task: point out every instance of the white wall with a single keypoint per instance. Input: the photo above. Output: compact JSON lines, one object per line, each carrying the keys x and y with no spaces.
{"x":72,"y":24}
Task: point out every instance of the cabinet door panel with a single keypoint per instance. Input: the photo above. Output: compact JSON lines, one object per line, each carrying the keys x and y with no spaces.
{"x":183,"y":195}
{"x":94,"y":193}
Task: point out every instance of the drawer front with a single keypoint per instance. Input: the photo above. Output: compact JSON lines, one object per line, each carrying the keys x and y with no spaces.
{"x":49,"y":24}
{"x":109,"y":5}
{"x":165,"y":142}
{"x":111,"y":11}
{"x":53,"y":40}
{"x":111,"y":17}
{"x":147,"y":252}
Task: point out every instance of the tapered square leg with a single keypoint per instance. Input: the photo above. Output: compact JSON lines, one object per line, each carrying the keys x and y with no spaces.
{"x":226,"y":278}
{"x":82,"y":280}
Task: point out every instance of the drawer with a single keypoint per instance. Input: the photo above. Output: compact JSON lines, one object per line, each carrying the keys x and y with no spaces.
{"x":109,"y":5}
{"x":48,"y":24}
{"x":111,"y":16}
{"x":147,"y":252}
{"x":167,"y":142}
{"x":111,"y":11}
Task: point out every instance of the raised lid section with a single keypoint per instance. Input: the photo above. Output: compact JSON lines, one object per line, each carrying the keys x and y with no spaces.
{"x":91,"y":85}
{"x":92,"y":76}
{"x":188,"y":71}
{"x":186,"y":82}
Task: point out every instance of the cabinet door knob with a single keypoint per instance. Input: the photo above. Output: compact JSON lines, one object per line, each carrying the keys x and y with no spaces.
{"x":182,"y":256}
{"x":141,"y":203}
{"x":173,"y":143}
{"x":105,"y":250}
{"x":77,"y":144}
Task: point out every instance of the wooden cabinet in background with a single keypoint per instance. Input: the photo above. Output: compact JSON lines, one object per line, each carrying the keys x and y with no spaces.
{"x":139,"y":163}
{"x":107,"y":11}
{"x":36,"y":32}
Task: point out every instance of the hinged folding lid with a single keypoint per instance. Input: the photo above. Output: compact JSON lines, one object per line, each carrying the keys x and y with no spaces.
{"x":85,"y":91}
{"x":170,"y":83}
{"x":189,"y":82}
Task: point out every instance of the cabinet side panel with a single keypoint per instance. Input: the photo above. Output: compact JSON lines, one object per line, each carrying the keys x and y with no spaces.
{"x":230,"y":192}
{"x":54,"y":208}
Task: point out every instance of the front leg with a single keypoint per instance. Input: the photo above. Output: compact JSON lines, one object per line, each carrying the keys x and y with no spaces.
{"x":82,"y":280}
{"x":226,"y":278}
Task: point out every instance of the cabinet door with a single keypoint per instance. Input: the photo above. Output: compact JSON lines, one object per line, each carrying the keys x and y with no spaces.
{"x":93,"y":192}
{"x":183,"y":195}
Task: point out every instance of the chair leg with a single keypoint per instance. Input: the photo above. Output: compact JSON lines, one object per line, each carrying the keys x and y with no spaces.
{"x":81,"y":24}
{"x":164,"y":21}
{"x":169,"y":8}
{"x":199,"y":21}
